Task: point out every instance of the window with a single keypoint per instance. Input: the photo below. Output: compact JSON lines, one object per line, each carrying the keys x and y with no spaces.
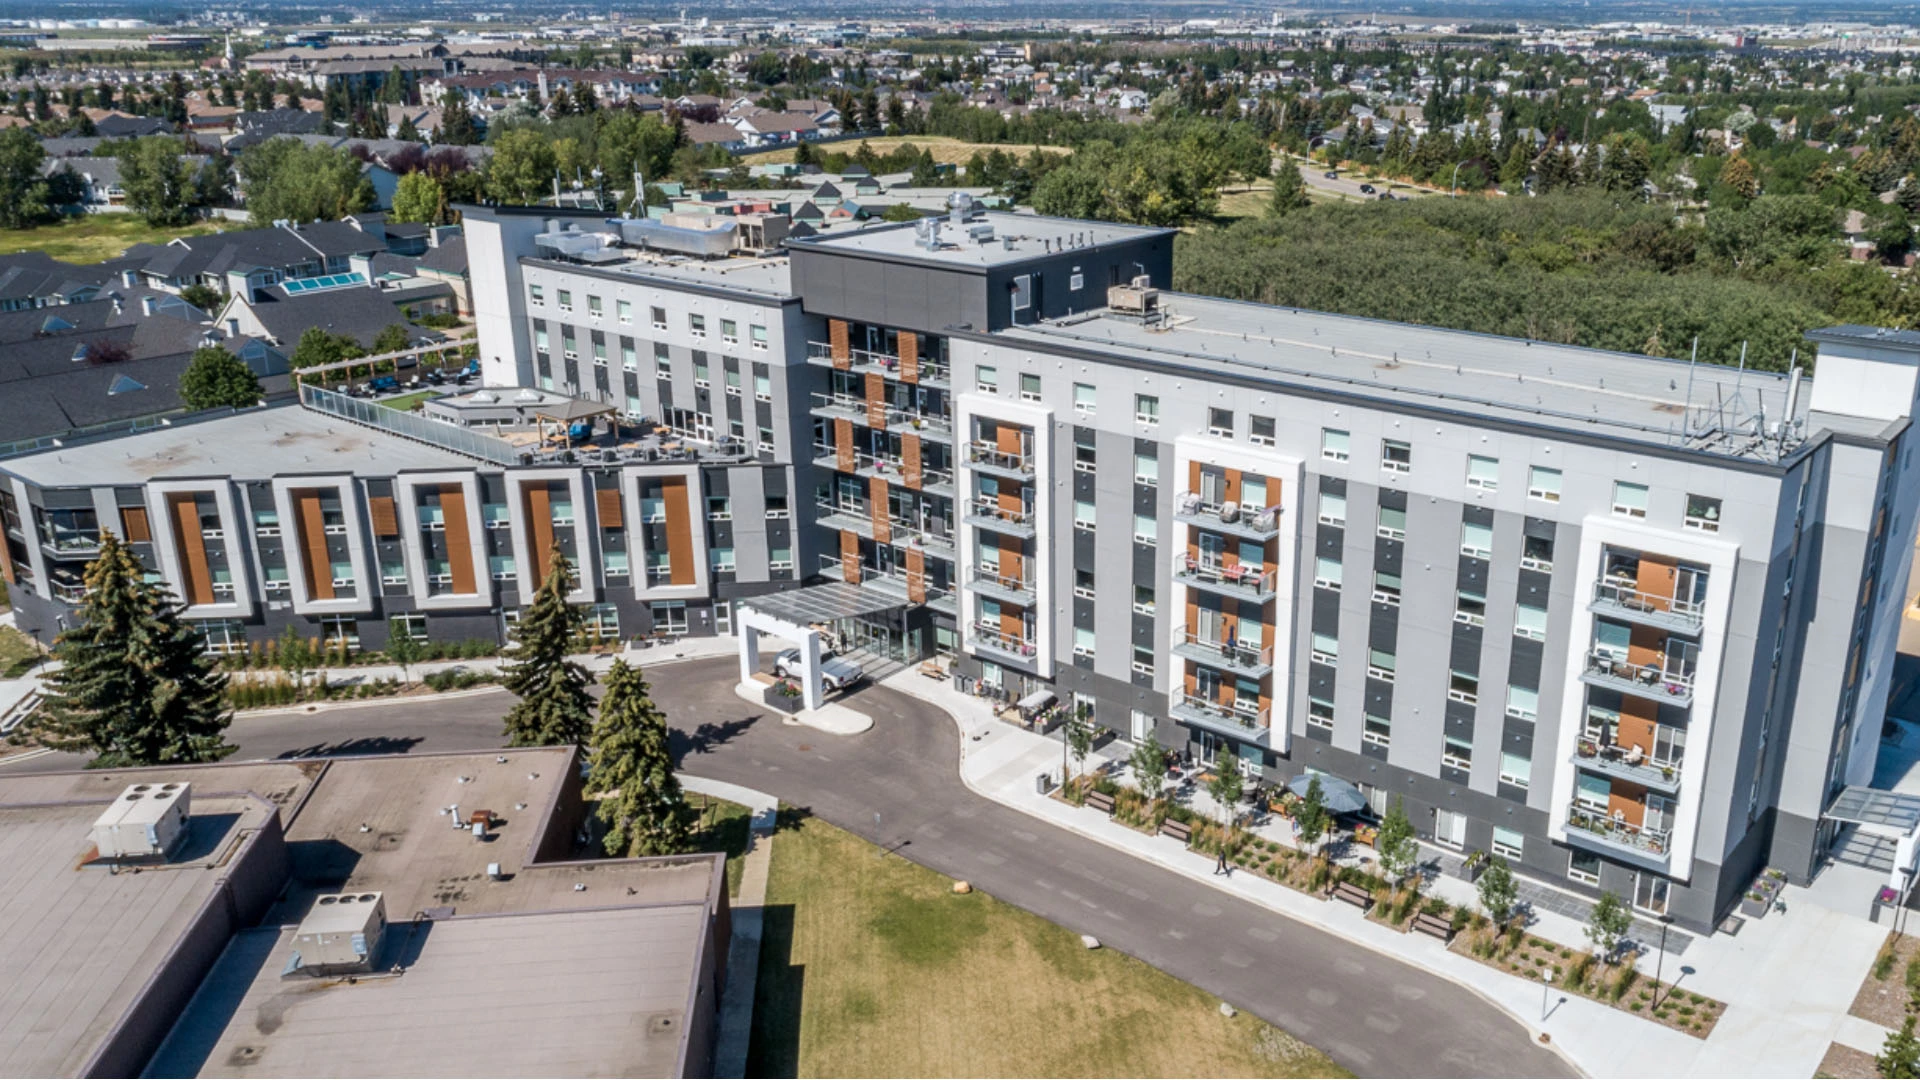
{"x":766,"y":440}
{"x":629,"y":357}
{"x":1380,"y":664}
{"x":1333,"y":444}
{"x":719,"y":508}
{"x":496,"y":515}
{"x":701,"y":373}
{"x":1146,"y":408}
{"x":1083,"y":583}
{"x":1076,"y":281}
{"x":1483,"y":472}
{"x":720,"y":559}
{"x":1386,"y":589}
{"x":1143,"y":599}
{"x":776,"y":506}
{"x":1392,"y":524}
{"x":1083,"y":641}
{"x":1326,"y":649}
{"x":1084,"y":453}
{"x":662,"y":361}
{"x":1146,"y":469}
{"x":1333,"y":509}
{"x":659,"y":318}
{"x":733,"y":381}
{"x":1377,"y":730}
{"x":1260,"y":430}
{"x":779,"y":559}
{"x":986,"y":379}
{"x":1456,"y":753}
{"x":266,"y":522}
{"x":623,"y":310}
{"x":1319,"y":713}
{"x":1450,"y":828}
{"x":1537,"y":554}
{"x":1082,"y":514}
{"x":1083,"y":398}
{"x":1703,"y":513}
{"x":1508,"y":843}
{"x":729,"y":332}
{"x":697,"y":325}
{"x":1029,"y":387}
{"x":1220,"y":423}
{"x":1543,"y":484}
{"x":1592,"y":792}
{"x":1516,"y":769}
{"x":1530,"y":622}
{"x":223,"y":636}
{"x":1145,"y":530}
{"x":1476,"y":541}
{"x":600,"y":353}
{"x":1396,"y":456}
{"x":1629,"y":500}
{"x":757,"y":337}
{"x":391,"y":573}
{"x":1142,"y":661}
{"x":537,"y":294}
{"x":1522,"y":703}
{"x":1464,"y":687}
{"x":1326,"y":572}
{"x":614,"y":563}
{"x":566,"y":300}
{"x":1583,"y":867}
{"x":594,"y":309}
{"x":540,"y":340}
{"x":1469,"y":608}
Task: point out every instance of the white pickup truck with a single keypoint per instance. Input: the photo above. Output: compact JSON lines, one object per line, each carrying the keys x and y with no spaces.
{"x":836,"y":672}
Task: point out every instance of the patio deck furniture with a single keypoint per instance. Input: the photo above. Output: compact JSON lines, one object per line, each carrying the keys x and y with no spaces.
{"x":1348,"y":892}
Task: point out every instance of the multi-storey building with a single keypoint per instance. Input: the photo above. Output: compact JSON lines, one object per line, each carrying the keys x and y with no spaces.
{"x":1625,"y":621}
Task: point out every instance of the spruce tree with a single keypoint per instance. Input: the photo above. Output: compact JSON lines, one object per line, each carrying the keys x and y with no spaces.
{"x":135,"y":684}
{"x":640,"y":799}
{"x":554,"y":708}
{"x":1289,"y":191}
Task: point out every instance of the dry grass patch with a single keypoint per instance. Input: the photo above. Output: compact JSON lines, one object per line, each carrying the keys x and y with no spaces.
{"x":874,"y":967}
{"x":95,"y":238}
{"x":946,"y":151}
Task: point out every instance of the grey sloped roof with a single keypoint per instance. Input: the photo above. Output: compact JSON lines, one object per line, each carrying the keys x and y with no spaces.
{"x":359,"y":312}
{"x":34,"y":274}
{"x":449,"y":258}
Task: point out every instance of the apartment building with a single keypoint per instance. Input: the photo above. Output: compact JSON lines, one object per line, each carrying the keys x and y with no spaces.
{"x":1625,"y":621}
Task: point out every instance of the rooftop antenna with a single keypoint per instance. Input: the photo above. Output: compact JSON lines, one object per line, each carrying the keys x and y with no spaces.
{"x":639,"y":193}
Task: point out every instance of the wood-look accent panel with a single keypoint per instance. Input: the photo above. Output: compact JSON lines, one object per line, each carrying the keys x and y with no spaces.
{"x":850,"y":556}
{"x":1656,"y":579}
{"x":606,"y":507}
{"x":843,"y":445}
{"x":538,"y":500}
{"x":1009,"y":561}
{"x":679,"y":507}
{"x":909,"y":357}
{"x":837,"y":344}
{"x":1646,"y":646}
{"x":1006,"y":438}
{"x":311,"y":524}
{"x":1627,"y":801}
{"x":911,"y":473}
{"x":197,"y":580}
{"x":877,"y":511}
{"x":6,"y":562}
{"x":876,"y":400}
{"x":1638,"y":719}
{"x":383,"y":517}
{"x":453,"y":512}
{"x":134,"y":526}
{"x":916,"y":576}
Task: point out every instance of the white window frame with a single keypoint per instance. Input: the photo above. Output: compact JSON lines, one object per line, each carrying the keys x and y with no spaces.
{"x":1329,"y":452}
{"x":1484,"y":483}
{"x":1471,"y":550}
{"x":1146,"y":409}
{"x":1388,"y":464}
{"x":1627,"y":509}
{"x":1325,"y":518}
{"x":1505,"y":848}
{"x":1540,"y":491}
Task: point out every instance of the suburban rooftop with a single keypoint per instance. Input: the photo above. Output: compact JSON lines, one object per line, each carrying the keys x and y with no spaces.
{"x":1618,"y":395}
{"x":1005,"y":238}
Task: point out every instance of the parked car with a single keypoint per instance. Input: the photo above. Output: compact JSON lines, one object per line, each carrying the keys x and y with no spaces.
{"x":1366,"y":189}
{"x":1333,"y":174}
{"x":836,"y":673}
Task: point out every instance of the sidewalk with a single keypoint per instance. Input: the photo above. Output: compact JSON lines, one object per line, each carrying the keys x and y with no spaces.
{"x":1788,"y":979}
{"x":743,"y":947}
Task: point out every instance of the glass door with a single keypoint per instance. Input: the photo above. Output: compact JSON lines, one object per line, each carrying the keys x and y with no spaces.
{"x":1650,"y":893}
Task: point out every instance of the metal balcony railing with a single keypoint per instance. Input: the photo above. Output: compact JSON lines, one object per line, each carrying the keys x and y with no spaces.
{"x":1255,"y":523}
{"x":1622,"y":597}
{"x":410,"y":426}
{"x":1199,"y":708}
{"x":1671,"y":681}
{"x":1238,"y":578}
{"x":988,"y":455}
{"x":1592,"y":821}
{"x":1223,"y":653}
{"x":989,"y":634}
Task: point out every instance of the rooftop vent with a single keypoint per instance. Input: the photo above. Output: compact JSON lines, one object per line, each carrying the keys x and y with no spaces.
{"x":147,"y":821}
{"x":341,"y":935}
{"x":1139,"y":298}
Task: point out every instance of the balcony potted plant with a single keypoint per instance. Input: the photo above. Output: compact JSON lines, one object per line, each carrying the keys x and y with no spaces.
{"x":1588,"y":748}
{"x":784,"y":695}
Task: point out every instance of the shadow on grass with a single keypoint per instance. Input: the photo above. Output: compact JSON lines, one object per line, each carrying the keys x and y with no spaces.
{"x":774,"y":1048}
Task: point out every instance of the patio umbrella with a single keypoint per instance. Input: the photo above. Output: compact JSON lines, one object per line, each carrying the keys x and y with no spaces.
{"x":1340,"y":796}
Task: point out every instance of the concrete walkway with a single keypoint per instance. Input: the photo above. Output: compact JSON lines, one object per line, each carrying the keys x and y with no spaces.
{"x":743,"y":950}
{"x":1788,"y":979}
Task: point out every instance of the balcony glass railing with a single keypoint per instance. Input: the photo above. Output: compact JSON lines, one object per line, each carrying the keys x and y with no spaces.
{"x":1622,"y":596}
{"x":1629,"y":763}
{"x":1591,"y":820}
{"x":989,"y":634}
{"x":57,"y":539}
{"x":989,"y":455}
{"x":1006,"y":583}
{"x":1250,"y":521}
{"x":1239,"y":577}
{"x":1247,"y":719}
{"x":1226,"y":653}
{"x":1672,"y":679}
{"x":926,"y":422}
{"x":992,"y":511}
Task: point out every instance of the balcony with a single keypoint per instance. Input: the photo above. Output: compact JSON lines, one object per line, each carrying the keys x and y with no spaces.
{"x":1239,"y":580}
{"x":988,"y":636}
{"x":1628,"y":764}
{"x":68,"y":591}
{"x":1006,"y":588}
{"x":1612,"y":596}
{"x":926,"y":425}
{"x":1592,"y":827}
{"x":1229,"y":518}
{"x":1241,"y":725}
{"x":1250,"y":661}
{"x":858,"y":520}
{"x":989,"y":458}
{"x":988,"y":514}
{"x":839,"y":407}
{"x":1671,"y":683}
{"x":820,"y":353}
{"x":60,"y":542}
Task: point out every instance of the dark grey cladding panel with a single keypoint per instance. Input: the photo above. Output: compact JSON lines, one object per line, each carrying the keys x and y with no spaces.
{"x":1540,"y":527}
{"x":1477,"y":515}
{"x":1333,"y":485}
{"x":1326,"y":612}
{"x":1383,"y":628}
{"x":1534,"y":589}
{"x":1459,"y":722}
{"x":1524,"y":668}
{"x":1331,"y":541}
{"x":1389,"y":556}
{"x":1393,"y":499}
{"x":1146,"y":562}
{"x":1516,"y":736}
{"x":1472,"y":574}
{"x":1465,"y":653}
{"x":1145,"y":499}
{"x":924,"y":298}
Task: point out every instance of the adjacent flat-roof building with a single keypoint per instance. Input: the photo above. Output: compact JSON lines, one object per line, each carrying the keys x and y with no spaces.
{"x":191,"y":966}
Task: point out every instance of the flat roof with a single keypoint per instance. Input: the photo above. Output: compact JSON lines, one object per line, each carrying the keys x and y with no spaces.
{"x":256,"y":444}
{"x":1031,"y":236}
{"x":1591,"y":391}
{"x":768,"y":276}
{"x":79,"y":943}
{"x":579,"y":993}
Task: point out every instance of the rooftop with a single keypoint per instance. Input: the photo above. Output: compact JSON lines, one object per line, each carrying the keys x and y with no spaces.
{"x":1014,"y":238}
{"x":765,"y":275}
{"x":1618,"y":395}
{"x":256,"y":444}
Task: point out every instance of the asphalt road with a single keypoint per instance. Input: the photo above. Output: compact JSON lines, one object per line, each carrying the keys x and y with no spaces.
{"x":899,"y":786}
{"x":1347,"y":185}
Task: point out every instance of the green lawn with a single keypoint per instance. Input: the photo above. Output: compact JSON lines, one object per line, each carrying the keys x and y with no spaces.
{"x":873,"y":966}
{"x":18,"y":653}
{"x":407,"y":402}
{"x":94,"y":237}
{"x":723,"y":826}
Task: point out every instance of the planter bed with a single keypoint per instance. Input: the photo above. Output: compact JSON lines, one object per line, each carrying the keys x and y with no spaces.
{"x":1526,"y":956}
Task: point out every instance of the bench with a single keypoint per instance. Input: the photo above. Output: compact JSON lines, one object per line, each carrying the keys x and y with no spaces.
{"x":1101,"y":801}
{"x":1179,"y":830}
{"x":1353,"y":894}
{"x":1438,"y":926}
{"x":933,"y":669}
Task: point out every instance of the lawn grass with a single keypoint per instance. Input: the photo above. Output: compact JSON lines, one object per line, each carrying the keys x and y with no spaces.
{"x":94,"y":238}
{"x":407,"y":402}
{"x":872,"y":966}
{"x":946,"y":151}
{"x":18,"y":653}
{"x":723,"y":826}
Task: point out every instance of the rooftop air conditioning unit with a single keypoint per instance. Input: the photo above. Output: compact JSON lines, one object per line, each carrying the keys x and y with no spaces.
{"x":1135,"y":299}
{"x":147,"y":821}
{"x":340,"y":935}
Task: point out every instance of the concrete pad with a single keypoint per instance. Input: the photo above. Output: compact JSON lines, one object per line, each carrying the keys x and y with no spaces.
{"x":832,"y":717}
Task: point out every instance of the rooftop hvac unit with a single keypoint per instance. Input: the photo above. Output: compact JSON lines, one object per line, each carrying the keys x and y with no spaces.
{"x":703,"y":236}
{"x":1135,"y":299}
{"x":340,"y":935}
{"x":147,"y":821}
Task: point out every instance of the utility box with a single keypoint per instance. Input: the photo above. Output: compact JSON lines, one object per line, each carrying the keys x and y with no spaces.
{"x":340,"y":935}
{"x":147,"y":821}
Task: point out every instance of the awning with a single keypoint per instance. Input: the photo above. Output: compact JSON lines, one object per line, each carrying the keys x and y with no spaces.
{"x":1888,"y":811}
{"x":823,"y":603}
{"x":1039,"y":699}
{"x":1337,"y":795}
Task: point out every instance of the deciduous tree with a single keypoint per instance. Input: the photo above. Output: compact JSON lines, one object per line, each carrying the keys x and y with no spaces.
{"x":216,"y":378}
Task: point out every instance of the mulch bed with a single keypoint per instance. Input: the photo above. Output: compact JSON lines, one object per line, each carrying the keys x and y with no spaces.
{"x":1889,"y":984}
{"x":1528,"y":956}
{"x":1845,"y":1061}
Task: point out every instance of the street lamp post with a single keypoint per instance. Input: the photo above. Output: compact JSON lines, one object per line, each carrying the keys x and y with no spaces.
{"x":1659,"y":962}
{"x":1546,"y":987}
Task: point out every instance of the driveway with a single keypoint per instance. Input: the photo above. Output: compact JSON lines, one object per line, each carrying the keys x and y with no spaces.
{"x":898,"y":785}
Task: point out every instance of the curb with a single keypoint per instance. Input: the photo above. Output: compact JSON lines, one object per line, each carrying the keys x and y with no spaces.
{"x":358,"y":703}
{"x":1534,"y":1031}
